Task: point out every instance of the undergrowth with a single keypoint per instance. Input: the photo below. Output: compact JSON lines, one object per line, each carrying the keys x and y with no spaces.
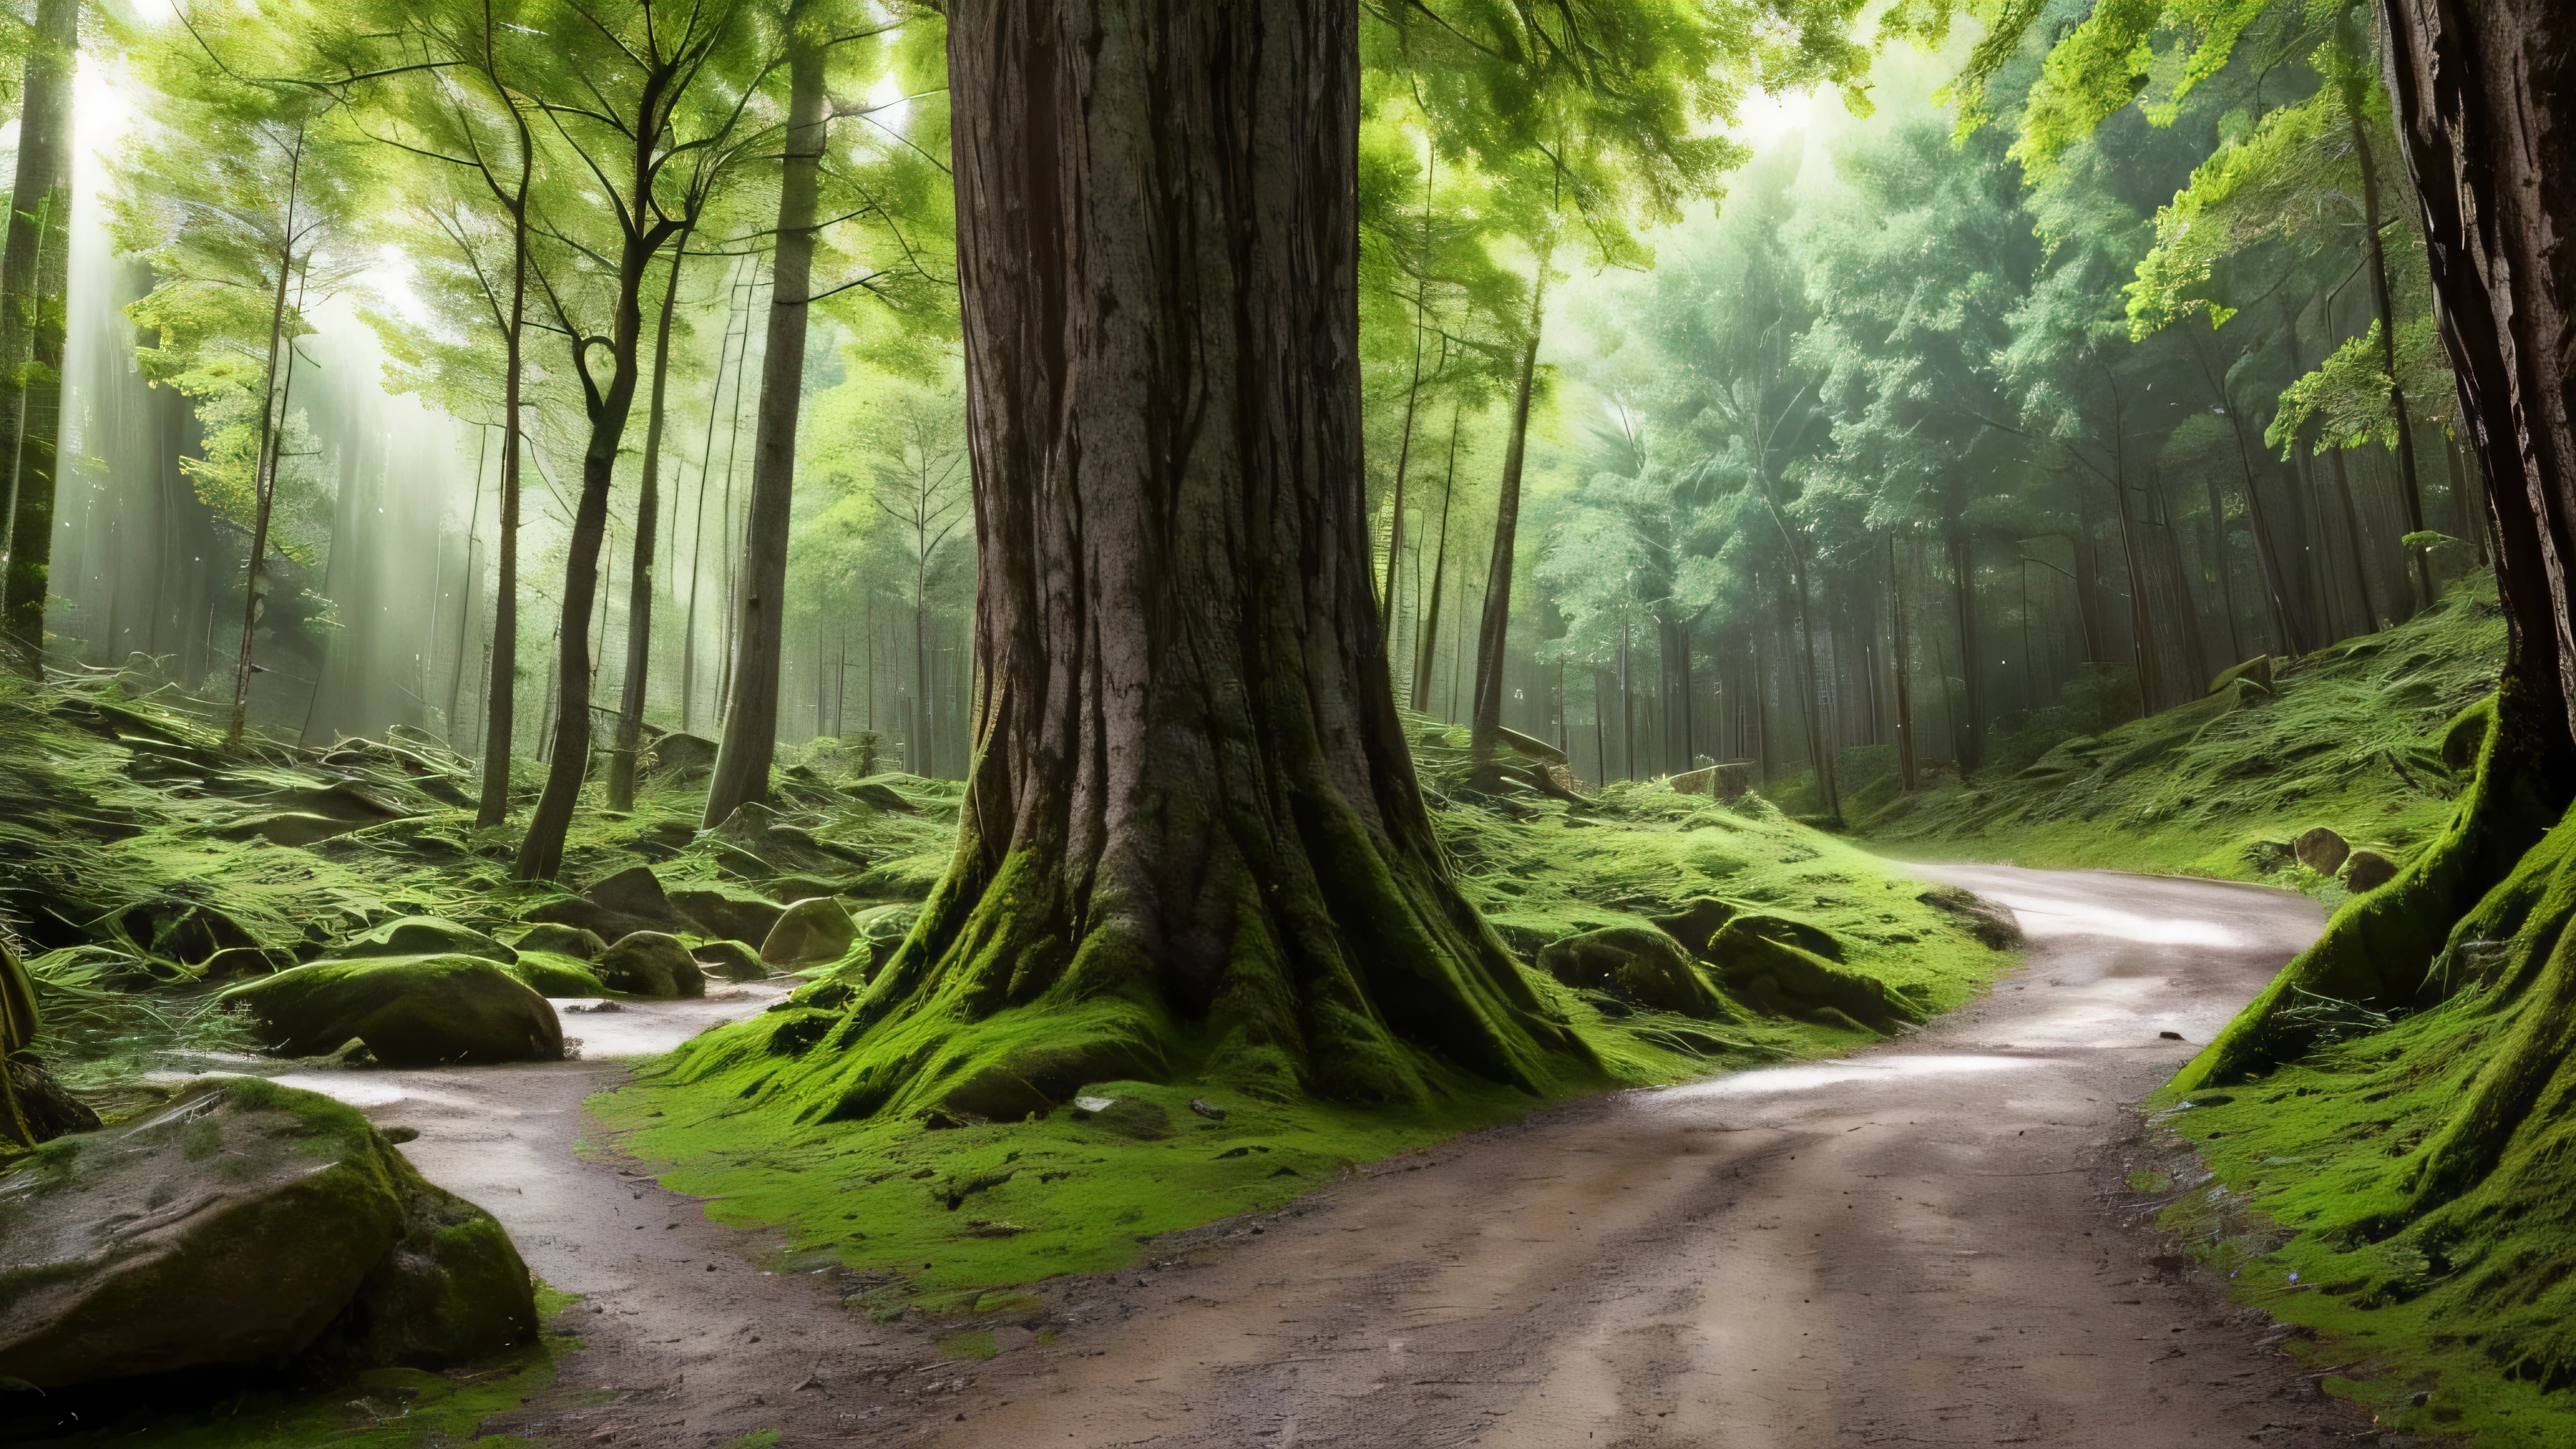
{"x":2347,"y":737}
{"x":949,"y":1219}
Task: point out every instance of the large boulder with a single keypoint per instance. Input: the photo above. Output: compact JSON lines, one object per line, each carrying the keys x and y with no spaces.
{"x":681,"y":755}
{"x":411,"y":1011}
{"x":562,"y":940}
{"x":650,"y":963}
{"x":248,"y":1224}
{"x":427,"y":936}
{"x":809,"y":933}
{"x":731,"y":961}
{"x":2322,"y":850}
{"x":551,"y":973}
{"x":728,"y":916}
{"x":1636,"y":964}
{"x":618,"y":906}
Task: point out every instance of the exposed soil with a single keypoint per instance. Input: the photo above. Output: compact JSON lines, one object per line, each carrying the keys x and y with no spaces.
{"x":1918,"y":1245}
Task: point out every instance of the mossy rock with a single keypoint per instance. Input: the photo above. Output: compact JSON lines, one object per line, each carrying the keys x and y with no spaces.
{"x":426,"y":936}
{"x":2322,"y":850}
{"x":728,"y":915}
{"x":561,"y":940}
{"x":47,"y":1110}
{"x":1993,"y":926}
{"x":1637,"y":964}
{"x":1789,"y":931}
{"x":731,"y":961}
{"x":554,"y":974}
{"x":809,"y":933}
{"x":2368,"y":870}
{"x":246,"y":1224}
{"x":411,"y":1011}
{"x":1789,"y":980}
{"x":637,"y":892}
{"x":1698,"y":919}
{"x":651,"y":963}
{"x":881,"y":931}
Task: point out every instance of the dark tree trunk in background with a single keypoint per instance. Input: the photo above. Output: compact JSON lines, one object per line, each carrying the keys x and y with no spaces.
{"x":1493,"y":632}
{"x":1969,"y":728}
{"x":2411,"y":491}
{"x":751,"y":720}
{"x":641,"y":574}
{"x":1191,"y":807}
{"x":1901,"y":665}
{"x":1426,"y":627}
{"x":33,"y":273}
{"x":501,"y":688}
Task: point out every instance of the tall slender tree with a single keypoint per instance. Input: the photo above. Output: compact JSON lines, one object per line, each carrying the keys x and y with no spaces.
{"x":34,"y":266}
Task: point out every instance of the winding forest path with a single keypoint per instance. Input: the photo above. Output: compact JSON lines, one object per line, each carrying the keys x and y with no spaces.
{"x":1912,"y":1246}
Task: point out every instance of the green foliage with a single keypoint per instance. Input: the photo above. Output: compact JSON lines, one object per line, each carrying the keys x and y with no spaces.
{"x":992,"y":1203}
{"x":2349,"y":737}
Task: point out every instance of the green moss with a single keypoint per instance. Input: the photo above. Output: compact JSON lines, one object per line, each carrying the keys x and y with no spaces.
{"x":936,"y":1217}
{"x":2348,"y":737}
{"x":551,"y":973}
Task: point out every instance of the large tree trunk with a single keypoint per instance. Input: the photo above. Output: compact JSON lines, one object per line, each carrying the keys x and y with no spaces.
{"x":1493,"y":631}
{"x":1191,"y":833}
{"x":33,"y":272}
{"x":2485,"y":92}
{"x":751,"y":721}
{"x":641,"y":574}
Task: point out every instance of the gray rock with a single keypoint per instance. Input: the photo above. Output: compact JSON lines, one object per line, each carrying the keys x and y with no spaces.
{"x":2322,"y":850}
{"x":427,"y":936}
{"x":650,"y":963}
{"x":809,"y":933}
{"x":249,"y":1224}
{"x":724,"y":914}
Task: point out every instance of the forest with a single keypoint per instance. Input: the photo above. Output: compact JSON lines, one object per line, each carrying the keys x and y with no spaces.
{"x":977,"y":659}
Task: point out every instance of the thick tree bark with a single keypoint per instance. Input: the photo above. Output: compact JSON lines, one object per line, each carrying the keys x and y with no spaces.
{"x":1191,"y":822}
{"x":751,"y":720}
{"x":2485,"y":92}
{"x":33,"y":273}
{"x":641,"y":575}
{"x":1493,"y":632}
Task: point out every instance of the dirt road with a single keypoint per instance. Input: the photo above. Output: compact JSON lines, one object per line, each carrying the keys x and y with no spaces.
{"x":1909,"y":1247}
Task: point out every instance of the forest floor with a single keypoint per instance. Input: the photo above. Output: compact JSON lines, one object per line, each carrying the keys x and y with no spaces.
{"x":2348,"y":737}
{"x":1929,"y":1241}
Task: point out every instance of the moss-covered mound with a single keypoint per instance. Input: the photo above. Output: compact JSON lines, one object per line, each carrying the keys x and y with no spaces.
{"x":927,"y":1194}
{"x":244,"y":1224}
{"x":2349,"y":737}
{"x":411,"y":1011}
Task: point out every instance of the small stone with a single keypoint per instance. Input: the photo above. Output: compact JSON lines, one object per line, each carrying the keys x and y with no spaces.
{"x":2169,"y":1035}
{"x":2322,"y":850}
{"x":2368,"y":870}
{"x":1207,"y":1109}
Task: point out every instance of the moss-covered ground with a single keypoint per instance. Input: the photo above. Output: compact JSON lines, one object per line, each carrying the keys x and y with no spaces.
{"x":2348,"y":737}
{"x":390,"y":1408}
{"x":136,"y":847}
{"x":953,"y":1219}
